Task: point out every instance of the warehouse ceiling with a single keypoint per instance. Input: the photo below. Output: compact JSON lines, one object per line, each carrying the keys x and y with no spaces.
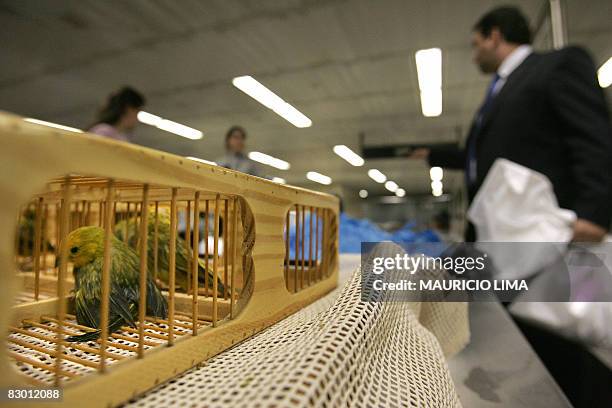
{"x":346,"y":64}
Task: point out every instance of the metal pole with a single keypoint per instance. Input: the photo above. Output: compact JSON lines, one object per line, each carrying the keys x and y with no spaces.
{"x":557,"y":23}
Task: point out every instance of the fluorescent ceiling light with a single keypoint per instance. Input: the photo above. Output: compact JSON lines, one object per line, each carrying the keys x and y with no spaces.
{"x":53,"y":125}
{"x":269,"y":160}
{"x":363,"y":193}
{"x":377,"y":176}
{"x":270,"y":100}
{"x":604,"y":74}
{"x":429,"y":72}
{"x":429,"y":68}
{"x":436,"y":173}
{"x":169,"y":126}
{"x":348,"y":155}
{"x":436,"y":188}
{"x":431,"y":103}
{"x":202,"y":160}
{"x":391,"y":186}
{"x":149,"y":119}
{"x":279,"y":180}
{"x":318,"y":177}
{"x":400,"y":192}
{"x":180,"y":130}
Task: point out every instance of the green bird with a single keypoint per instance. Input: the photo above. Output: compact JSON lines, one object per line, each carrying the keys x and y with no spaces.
{"x":183,"y":253}
{"x":25,"y":233}
{"x":85,"y":249}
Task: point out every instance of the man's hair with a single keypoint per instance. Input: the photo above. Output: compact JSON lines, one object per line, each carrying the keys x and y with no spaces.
{"x":510,"y":22}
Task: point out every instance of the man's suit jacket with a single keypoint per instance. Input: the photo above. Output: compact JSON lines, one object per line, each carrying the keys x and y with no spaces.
{"x":551,"y":116}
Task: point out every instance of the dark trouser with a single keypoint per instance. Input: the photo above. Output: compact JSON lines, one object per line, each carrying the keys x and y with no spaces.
{"x":585,"y":380}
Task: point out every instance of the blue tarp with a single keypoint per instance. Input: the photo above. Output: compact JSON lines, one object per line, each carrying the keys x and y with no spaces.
{"x":353,"y":231}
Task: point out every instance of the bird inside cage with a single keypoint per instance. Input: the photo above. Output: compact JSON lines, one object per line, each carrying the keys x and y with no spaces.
{"x":85,"y":251}
{"x":184,"y":253}
{"x":26,"y":236}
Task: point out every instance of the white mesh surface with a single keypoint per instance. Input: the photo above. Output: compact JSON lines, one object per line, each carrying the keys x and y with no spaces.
{"x":339,"y":351}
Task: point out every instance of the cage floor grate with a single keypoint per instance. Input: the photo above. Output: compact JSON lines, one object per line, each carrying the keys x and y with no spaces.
{"x":33,"y":346}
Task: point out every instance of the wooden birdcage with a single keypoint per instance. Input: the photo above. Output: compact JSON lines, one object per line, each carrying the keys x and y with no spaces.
{"x":272,"y":248}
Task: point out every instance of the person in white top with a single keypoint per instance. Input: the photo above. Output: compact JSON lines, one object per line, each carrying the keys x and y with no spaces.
{"x":119,"y":116}
{"x":235,"y":158}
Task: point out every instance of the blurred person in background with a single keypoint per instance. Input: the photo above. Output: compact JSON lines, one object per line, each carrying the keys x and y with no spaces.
{"x":119,"y":116}
{"x":235,"y":158}
{"x":544,"y":111}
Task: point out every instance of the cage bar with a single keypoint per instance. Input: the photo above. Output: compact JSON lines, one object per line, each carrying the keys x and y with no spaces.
{"x":325,"y":243}
{"x":195,"y":263}
{"x":317,"y":263}
{"x":37,"y":245}
{"x":297,"y":247}
{"x":156,"y":243}
{"x":106,"y":264}
{"x":172,"y":265}
{"x":234,"y":259}
{"x":226,"y":246}
{"x":310,"y":246}
{"x":142,"y":299}
{"x":61,"y":279}
{"x":45,"y":238}
{"x":188,"y":244}
{"x":302,"y":252}
{"x":215,"y":261}
{"x":206,"y":250}
{"x":287,"y":235}
{"x":88,"y":216}
{"x":127,"y":223}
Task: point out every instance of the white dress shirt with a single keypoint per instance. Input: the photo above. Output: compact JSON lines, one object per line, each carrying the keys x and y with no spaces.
{"x":511,"y":63}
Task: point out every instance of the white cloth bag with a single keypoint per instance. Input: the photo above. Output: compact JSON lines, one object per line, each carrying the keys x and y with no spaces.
{"x":517,"y":204}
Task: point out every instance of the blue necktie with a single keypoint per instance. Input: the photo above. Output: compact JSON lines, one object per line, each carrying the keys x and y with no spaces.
{"x":470,"y":171}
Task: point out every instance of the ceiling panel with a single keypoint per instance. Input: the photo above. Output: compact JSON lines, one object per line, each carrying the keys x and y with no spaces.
{"x":347,"y":64}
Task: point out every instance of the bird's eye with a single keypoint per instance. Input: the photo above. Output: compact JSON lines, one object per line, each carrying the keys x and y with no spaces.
{"x":74,"y":250}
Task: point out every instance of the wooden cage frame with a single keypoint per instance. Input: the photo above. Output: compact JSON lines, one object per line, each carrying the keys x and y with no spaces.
{"x":33,"y":154}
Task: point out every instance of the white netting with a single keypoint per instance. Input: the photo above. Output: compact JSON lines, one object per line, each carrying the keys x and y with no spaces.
{"x":339,"y":351}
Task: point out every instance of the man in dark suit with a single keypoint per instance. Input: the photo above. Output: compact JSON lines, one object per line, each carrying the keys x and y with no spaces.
{"x":544,"y":111}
